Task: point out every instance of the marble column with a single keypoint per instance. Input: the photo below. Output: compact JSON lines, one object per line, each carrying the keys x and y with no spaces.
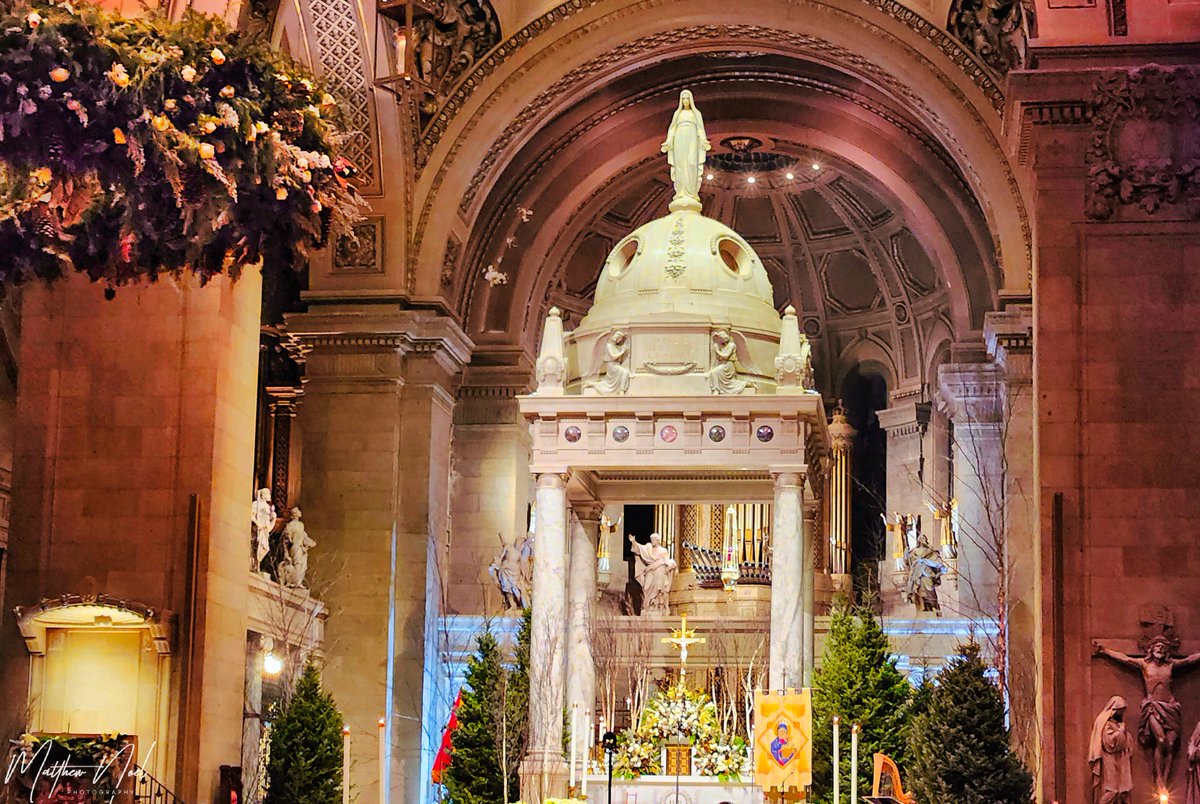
{"x":543,"y":771}
{"x":787,"y":582}
{"x":581,"y":592}
{"x":809,"y":554}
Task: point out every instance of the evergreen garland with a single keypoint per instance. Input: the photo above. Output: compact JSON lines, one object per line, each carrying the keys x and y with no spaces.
{"x":306,"y":747}
{"x":857,"y":681}
{"x":960,"y":746}
{"x":135,"y":147}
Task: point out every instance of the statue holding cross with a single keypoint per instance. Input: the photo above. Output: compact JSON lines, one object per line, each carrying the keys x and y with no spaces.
{"x":683,"y":637}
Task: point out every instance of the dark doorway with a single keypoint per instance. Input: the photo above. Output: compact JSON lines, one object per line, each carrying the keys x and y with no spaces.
{"x":865,"y":393}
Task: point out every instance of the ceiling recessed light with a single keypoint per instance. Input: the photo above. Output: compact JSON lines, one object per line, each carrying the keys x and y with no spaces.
{"x":750,"y":180}
{"x":789,"y":175}
{"x":816,"y":166}
{"x":709,"y":177}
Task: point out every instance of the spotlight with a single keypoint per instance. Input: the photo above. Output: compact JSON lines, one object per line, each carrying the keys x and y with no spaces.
{"x":816,"y":166}
{"x":789,"y":175}
{"x":708,"y":177}
{"x":272,"y":664}
{"x":750,"y":180}
{"x":1163,"y":798}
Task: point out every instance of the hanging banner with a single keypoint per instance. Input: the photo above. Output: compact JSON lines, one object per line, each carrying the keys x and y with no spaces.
{"x":783,"y":743}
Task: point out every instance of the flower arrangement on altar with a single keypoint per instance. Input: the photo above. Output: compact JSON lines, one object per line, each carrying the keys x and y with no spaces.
{"x":680,"y":713}
{"x":135,"y":147}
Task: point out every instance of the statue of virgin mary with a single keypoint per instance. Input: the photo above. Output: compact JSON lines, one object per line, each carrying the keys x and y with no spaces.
{"x":686,"y":146}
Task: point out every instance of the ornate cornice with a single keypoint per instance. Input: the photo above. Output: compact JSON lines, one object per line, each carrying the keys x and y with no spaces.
{"x":1156,"y":169}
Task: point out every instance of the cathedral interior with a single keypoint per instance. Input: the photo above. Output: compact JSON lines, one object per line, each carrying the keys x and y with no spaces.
{"x":904,"y":320}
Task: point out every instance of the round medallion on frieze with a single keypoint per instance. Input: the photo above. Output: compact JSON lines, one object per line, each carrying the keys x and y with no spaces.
{"x":716,"y":433}
{"x":765,"y":433}
{"x":668,"y":434}
{"x":620,"y":434}
{"x":572,"y":434}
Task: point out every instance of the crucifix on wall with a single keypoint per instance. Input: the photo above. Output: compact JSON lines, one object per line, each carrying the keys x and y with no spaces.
{"x":1160,"y":723}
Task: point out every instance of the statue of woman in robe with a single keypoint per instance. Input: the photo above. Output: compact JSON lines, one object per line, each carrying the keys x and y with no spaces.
{"x":925,"y":570}
{"x":686,"y":146}
{"x":655,"y":571}
{"x":723,"y":376}
{"x":1193,"y":767}
{"x":616,"y":373}
{"x":1110,"y":755}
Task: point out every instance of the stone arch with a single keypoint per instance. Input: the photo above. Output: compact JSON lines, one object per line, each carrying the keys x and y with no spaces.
{"x":482,"y":138}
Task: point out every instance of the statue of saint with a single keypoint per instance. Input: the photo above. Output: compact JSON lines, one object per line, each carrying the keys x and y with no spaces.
{"x":616,"y":373}
{"x":525,"y":568}
{"x":506,"y":571}
{"x":1159,"y":725}
{"x":262,"y":518}
{"x":925,"y":570}
{"x":655,"y":571}
{"x":686,"y":147}
{"x":1193,"y":767}
{"x":296,"y":544}
{"x":1110,"y":754}
{"x":723,"y":376}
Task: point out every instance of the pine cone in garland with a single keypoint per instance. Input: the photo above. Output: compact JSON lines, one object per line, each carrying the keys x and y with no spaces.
{"x":55,"y":148}
{"x":289,"y":123}
{"x":45,"y":225}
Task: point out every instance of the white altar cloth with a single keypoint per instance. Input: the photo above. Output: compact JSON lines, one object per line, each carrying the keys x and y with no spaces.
{"x":662,"y":790}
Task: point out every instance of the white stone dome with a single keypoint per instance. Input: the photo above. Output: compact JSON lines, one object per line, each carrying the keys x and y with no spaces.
{"x":688,"y":265}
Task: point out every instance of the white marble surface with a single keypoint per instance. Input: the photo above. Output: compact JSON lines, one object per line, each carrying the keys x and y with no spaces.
{"x":548,"y":638}
{"x":581,"y":591}
{"x":787,"y":581}
{"x":662,"y":790}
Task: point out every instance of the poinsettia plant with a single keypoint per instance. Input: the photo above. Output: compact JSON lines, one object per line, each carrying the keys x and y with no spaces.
{"x":132,"y":147}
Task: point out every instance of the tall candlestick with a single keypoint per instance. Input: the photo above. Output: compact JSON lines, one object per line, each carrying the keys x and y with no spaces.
{"x":383,"y":775}
{"x":574,"y":739}
{"x":345,"y":765}
{"x":854,"y":764}
{"x":837,"y":760}
{"x":587,"y":750}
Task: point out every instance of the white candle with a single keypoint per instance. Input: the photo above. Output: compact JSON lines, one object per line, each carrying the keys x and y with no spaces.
{"x":345,"y":765}
{"x":837,"y":761}
{"x":587,"y":749}
{"x":383,"y":776}
{"x":854,"y":764}
{"x":574,"y":739}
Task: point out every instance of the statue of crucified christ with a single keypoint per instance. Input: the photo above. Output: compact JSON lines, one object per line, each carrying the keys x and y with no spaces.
{"x":1159,"y":723}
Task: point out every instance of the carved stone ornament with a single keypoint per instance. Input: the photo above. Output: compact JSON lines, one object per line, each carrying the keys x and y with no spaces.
{"x":1145,"y":145}
{"x":997,"y":31}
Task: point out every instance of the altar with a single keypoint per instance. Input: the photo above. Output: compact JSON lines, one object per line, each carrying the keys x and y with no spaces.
{"x":673,"y":790}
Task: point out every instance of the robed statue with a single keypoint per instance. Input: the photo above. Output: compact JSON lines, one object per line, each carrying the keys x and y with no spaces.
{"x":1110,"y":755}
{"x":1159,"y":725}
{"x":505,"y":569}
{"x":925,"y":570}
{"x":1193,"y":767}
{"x":655,"y":572}
{"x":686,"y":147}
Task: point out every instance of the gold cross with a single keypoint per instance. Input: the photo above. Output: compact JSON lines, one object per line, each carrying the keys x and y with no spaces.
{"x":681,"y":638}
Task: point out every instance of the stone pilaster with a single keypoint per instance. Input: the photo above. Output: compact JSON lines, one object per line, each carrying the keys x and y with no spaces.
{"x":1009,"y":338}
{"x":543,"y":771}
{"x":906,"y":424}
{"x":377,"y":422}
{"x":971,"y":397}
{"x":581,"y":593}
{"x":786,"y":669}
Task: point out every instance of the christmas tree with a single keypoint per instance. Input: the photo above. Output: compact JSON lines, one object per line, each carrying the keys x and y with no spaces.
{"x":306,"y":747}
{"x":486,"y":745}
{"x":858,"y":682}
{"x":515,"y":731}
{"x":960,"y":747}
